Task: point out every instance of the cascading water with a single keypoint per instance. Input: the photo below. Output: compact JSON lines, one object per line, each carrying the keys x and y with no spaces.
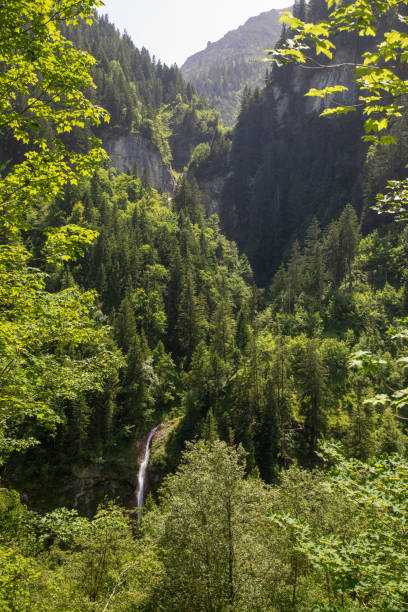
{"x":142,"y":472}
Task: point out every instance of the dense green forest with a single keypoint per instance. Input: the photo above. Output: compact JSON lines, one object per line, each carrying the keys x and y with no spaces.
{"x":143,"y":95}
{"x":278,"y":477}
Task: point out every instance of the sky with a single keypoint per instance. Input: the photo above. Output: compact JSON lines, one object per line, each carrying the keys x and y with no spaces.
{"x":172,"y":30}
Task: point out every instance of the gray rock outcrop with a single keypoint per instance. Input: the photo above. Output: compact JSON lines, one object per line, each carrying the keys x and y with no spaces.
{"x":127,"y":151}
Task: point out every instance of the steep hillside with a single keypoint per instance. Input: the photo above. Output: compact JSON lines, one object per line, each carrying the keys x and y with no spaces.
{"x":222,"y":70}
{"x":156,"y":117}
{"x":288,"y":165}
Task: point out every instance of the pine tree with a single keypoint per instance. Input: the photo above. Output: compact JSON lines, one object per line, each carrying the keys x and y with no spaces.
{"x":333,"y":255}
{"x":243,"y":328}
{"x":125,"y":323}
{"x":187,"y":199}
{"x":314,"y":269}
{"x":310,"y":376}
{"x":210,"y":428}
{"x":188,"y":323}
{"x":146,"y":179}
{"x":223,"y":329}
{"x":349,"y":239}
{"x":294,"y":276}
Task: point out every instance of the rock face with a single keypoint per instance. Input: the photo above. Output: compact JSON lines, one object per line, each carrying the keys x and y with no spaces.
{"x":291,"y":85}
{"x":288,"y":165}
{"x":129,"y":150}
{"x":211,"y":194}
{"x":88,"y":486}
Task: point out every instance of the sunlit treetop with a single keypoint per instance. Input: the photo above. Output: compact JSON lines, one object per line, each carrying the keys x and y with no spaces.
{"x":44,"y":81}
{"x":51,"y":345}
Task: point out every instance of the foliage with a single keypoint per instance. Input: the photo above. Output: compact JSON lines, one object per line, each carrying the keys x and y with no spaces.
{"x":378,"y":75}
{"x":51,"y":348}
{"x":212,"y":533}
{"x":366,"y":569}
{"x":51,"y":345}
{"x":64,"y":562}
{"x":43,"y":81}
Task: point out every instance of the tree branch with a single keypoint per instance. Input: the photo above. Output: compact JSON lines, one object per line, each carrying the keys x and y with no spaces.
{"x":117,"y":586}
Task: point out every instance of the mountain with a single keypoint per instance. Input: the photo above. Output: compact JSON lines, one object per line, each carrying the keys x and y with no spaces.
{"x":222,"y":70}
{"x":156,"y":117}
{"x":286,"y":164}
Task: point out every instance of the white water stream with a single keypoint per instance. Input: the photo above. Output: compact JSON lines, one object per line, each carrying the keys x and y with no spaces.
{"x":142,"y":472}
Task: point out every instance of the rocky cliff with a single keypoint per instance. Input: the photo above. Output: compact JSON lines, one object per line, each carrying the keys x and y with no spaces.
{"x":289,"y":85}
{"x":288,"y":165}
{"x":128,"y":151}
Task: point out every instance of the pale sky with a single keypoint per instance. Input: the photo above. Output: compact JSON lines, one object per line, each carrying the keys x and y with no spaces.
{"x":172,"y":30}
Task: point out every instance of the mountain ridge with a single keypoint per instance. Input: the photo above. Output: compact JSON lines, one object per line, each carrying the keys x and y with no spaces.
{"x":222,"y":70}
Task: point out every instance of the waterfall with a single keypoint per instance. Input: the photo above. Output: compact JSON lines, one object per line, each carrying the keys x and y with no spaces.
{"x":142,"y":472}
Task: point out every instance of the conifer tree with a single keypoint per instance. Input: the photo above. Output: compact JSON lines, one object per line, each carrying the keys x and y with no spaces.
{"x":295,"y":273}
{"x":210,"y":428}
{"x":310,"y":376}
{"x":187,"y":199}
{"x":188,"y":323}
{"x":243,"y":329}
{"x":349,"y":239}
{"x":314,"y":261}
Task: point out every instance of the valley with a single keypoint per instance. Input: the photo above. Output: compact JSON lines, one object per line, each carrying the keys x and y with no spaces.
{"x":211,"y":256}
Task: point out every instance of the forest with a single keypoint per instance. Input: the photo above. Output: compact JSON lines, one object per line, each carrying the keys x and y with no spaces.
{"x":265,"y":342}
